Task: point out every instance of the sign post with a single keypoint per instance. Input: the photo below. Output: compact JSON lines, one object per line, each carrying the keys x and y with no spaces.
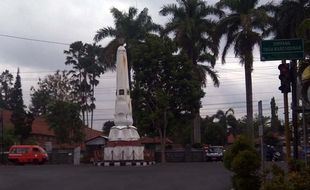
{"x":261,"y":133}
{"x":284,"y":49}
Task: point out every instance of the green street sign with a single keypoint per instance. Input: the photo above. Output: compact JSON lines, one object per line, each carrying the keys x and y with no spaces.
{"x":288,"y":49}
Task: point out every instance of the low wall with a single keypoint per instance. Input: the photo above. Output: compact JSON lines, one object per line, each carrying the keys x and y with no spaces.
{"x":193,"y":155}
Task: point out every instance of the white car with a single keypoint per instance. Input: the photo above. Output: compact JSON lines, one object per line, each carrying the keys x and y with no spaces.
{"x":215,"y":153}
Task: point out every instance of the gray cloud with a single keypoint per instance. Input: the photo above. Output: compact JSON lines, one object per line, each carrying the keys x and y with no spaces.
{"x":72,"y":20}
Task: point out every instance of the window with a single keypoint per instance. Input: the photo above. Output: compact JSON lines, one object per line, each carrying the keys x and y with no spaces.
{"x":35,"y":150}
{"x":19,"y":150}
{"x":121,"y":92}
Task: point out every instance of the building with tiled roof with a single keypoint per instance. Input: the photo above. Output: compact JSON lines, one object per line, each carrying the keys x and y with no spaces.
{"x":42,"y":134}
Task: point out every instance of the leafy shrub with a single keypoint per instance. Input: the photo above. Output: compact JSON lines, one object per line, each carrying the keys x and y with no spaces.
{"x":242,"y":159}
{"x":275,"y":179}
{"x":246,"y":182}
{"x":300,"y":179}
{"x":296,"y":179}
{"x":246,"y":163}
{"x":197,"y":145}
{"x":240,"y":145}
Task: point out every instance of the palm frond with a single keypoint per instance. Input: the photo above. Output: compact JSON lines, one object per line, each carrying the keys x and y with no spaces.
{"x":104,"y":32}
{"x":203,"y":70}
{"x":168,"y":9}
{"x":132,"y":12}
{"x":117,"y":15}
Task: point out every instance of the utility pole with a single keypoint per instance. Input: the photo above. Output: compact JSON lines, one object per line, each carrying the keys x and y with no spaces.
{"x":261,"y":133}
{"x":285,"y":87}
{"x":294,"y":106}
{"x":2,"y":138}
{"x":305,"y":131}
{"x":287,"y":129}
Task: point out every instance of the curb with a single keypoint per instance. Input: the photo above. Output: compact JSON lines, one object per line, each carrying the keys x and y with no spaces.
{"x":124,"y":163}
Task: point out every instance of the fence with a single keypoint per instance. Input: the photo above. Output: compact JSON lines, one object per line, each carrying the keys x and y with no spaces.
{"x":182,"y":155}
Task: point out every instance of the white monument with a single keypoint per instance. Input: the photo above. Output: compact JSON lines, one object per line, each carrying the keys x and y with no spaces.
{"x":123,"y":144}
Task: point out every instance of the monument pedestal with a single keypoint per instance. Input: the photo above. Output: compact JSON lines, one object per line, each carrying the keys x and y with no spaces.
{"x":123,"y":145}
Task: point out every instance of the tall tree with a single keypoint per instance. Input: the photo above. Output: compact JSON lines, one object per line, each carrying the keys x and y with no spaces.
{"x":227,"y":120}
{"x":244,"y":25}
{"x":303,"y":31}
{"x":21,"y":119}
{"x":107,"y":126}
{"x":64,"y":119}
{"x":214,"y":132}
{"x":165,"y":87}
{"x":194,"y":34}
{"x":57,"y":86}
{"x":289,"y":14}
{"x":275,"y":123}
{"x":129,"y":27}
{"x":86,"y":68}
{"x":6,"y":85}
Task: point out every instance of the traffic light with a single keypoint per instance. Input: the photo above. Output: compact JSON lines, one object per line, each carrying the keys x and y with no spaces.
{"x":285,"y":78}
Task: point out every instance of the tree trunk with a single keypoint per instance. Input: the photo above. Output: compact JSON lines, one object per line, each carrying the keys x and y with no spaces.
{"x":87,"y":113}
{"x":162,"y":145}
{"x":163,"y":157}
{"x":92,"y":108}
{"x":162,"y":135}
{"x":196,"y":126}
{"x":249,"y":100}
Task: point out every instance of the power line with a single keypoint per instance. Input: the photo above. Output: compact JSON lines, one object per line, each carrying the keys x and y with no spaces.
{"x":34,"y":40}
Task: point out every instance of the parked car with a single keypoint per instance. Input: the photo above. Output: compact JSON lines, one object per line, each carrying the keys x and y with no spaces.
{"x":214,"y":153}
{"x":22,"y":154}
{"x":273,"y":153}
{"x":305,"y":152}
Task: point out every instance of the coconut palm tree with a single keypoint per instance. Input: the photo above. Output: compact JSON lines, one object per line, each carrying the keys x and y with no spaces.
{"x":86,"y":68}
{"x":226,"y":118}
{"x":193,"y":33}
{"x":129,"y":27}
{"x":244,"y":25}
{"x":289,"y":14}
{"x":303,"y":31}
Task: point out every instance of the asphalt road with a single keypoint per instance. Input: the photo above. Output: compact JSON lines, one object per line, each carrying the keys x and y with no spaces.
{"x":178,"y":176}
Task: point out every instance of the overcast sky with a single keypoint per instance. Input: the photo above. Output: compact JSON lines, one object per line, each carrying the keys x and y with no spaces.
{"x":78,"y":20}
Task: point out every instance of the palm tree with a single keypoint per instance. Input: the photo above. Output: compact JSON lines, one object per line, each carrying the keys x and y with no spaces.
{"x":227,"y":120}
{"x":86,"y":67}
{"x":303,"y":31}
{"x":289,"y":14}
{"x":244,"y":25}
{"x":128,"y":27}
{"x":193,"y":33}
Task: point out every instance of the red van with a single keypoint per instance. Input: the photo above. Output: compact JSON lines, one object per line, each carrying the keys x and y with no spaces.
{"x":21,"y":154}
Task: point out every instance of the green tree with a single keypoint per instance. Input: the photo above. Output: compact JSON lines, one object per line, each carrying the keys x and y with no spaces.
{"x":86,"y":68}
{"x":107,"y":126}
{"x":64,"y":119}
{"x":275,"y":122}
{"x":242,"y":159}
{"x":288,"y":15}
{"x":194,"y":34}
{"x":214,"y":132}
{"x":57,"y":86}
{"x":303,"y":31}
{"x":244,"y":24}
{"x":6,"y":85}
{"x":21,"y":119}
{"x":129,"y":27}
{"x":226,"y":119}
{"x":165,"y":86}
